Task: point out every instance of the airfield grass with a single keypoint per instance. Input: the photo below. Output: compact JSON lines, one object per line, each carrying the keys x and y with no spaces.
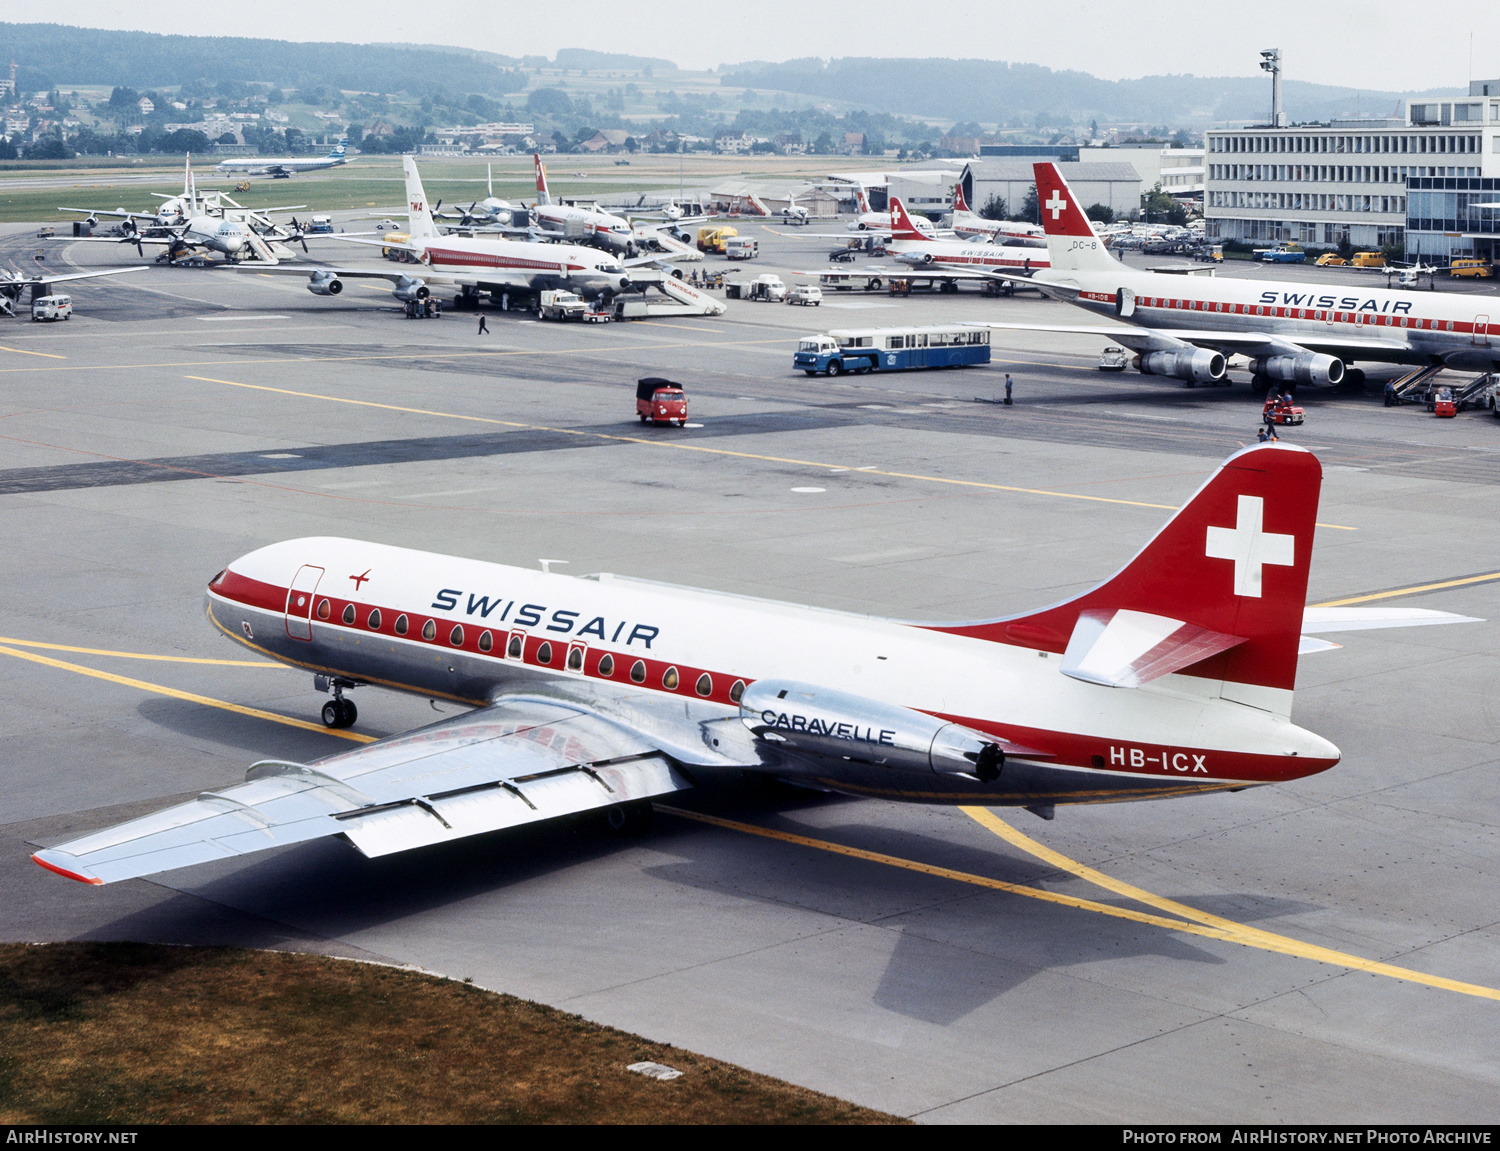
{"x":124,"y":1033}
{"x":376,"y":182}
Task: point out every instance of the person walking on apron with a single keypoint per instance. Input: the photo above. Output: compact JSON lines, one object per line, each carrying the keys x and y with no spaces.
{"x":1007,"y":388}
{"x":484,"y":328}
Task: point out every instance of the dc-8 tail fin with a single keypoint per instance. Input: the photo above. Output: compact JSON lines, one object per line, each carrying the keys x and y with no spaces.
{"x":1072,"y":244}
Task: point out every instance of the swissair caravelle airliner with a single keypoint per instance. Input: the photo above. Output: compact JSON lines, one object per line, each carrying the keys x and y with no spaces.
{"x":969,"y":226}
{"x":963,"y":259}
{"x":587,"y":225}
{"x":1173,"y":677}
{"x":1293,"y":333}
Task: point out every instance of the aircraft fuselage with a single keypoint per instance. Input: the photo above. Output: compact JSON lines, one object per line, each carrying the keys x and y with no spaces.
{"x":469,"y":631}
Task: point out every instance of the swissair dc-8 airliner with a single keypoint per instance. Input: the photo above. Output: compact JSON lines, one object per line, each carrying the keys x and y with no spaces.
{"x":1173,"y":677}
{"x":1295,"y":333}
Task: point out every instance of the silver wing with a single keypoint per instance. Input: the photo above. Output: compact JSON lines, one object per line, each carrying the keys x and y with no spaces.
{"x":1230,"y":343}
{"x":517,"y":761}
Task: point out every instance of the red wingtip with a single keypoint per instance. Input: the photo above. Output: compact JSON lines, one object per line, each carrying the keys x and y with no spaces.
{"x":65,"y":873}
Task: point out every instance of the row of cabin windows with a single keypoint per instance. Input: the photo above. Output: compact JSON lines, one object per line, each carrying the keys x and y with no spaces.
{"x":937,"y":340}
{"x":516,"y":648}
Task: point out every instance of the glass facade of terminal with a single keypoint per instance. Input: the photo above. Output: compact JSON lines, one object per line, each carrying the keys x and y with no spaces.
{"x":1363,"y":182}
{"x":1447,"y":218}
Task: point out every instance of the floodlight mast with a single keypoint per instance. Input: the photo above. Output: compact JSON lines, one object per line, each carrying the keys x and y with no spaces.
{"x":1271,"y":62}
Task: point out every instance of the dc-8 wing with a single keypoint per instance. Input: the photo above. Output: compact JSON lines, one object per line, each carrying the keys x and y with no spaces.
{"x":1175,"y":339}
{"x":517,"y":761}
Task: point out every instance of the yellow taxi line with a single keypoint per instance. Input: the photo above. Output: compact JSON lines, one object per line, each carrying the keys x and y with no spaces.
{"x":24,"y":352}
{"x":141,"y":655}
{"x":946,"y":873}
{"x":1197,"y":923}
{"x":660,"y":443}
{"x":1238,"y":932}
{"x":1413,"y":590}
{"x":188,"y":696}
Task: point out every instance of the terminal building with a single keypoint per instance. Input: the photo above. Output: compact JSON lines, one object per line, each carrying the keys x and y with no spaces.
{"x":1428,"y":180}
{"x":1115,"y":184}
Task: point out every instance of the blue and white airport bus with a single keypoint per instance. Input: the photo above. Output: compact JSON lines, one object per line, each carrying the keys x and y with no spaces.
{"x":892,"y":349}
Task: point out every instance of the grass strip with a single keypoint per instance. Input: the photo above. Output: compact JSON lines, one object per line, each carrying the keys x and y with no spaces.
{"x":125,"y":1033}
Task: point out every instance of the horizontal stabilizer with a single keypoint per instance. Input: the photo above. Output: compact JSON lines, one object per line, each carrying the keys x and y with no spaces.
{"x":1309,"y":645}
{"x":1126,"y":648}
{"x":1317,"y":620}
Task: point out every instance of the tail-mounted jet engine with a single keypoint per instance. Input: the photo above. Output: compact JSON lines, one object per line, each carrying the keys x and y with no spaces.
{"x":800,"y":717}
{"x":1196,"y":365}
{"x":1308,"y":368}
{"x":325,"y":284}
{"x":409,"y":288}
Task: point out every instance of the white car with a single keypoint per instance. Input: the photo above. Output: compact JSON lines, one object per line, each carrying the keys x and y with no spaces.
{"x":1114,"y":360}
{"x":805,"y":294}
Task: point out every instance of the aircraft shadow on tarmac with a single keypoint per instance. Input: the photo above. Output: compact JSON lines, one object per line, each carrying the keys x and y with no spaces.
{"x":258,"y":739}
{"x":956,"y":947}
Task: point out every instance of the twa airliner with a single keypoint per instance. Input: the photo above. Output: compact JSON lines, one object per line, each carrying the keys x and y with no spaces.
{"x":1171,"y":678}
{"x":1295,"y":333}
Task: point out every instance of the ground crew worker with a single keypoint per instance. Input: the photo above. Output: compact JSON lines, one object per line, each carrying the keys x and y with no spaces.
{"x":484,"y":328}
{"x":1390,"y":393}
{"x":1007,"y":387}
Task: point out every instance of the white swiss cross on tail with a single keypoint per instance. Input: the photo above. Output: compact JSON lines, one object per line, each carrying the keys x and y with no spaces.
{"x":1249,"y":547}
{"x":1056,"y":204}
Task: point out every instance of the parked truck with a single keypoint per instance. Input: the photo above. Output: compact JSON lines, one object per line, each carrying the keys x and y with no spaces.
{"x":714,"y":239}
{"x":561,"y":305}
{"x":768,"y":287}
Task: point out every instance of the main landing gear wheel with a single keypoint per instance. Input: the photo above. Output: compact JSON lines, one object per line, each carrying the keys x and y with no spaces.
{"x":340,"y":713}
{"x":1260,"y":385}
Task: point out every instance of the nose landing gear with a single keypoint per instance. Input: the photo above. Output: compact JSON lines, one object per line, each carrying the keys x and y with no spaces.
{"x":337,"y":712}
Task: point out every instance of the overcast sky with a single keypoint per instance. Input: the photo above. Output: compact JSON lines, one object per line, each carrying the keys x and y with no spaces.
{"x":1377,"y":44}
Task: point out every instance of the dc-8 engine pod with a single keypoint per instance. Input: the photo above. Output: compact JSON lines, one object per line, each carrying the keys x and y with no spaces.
{"x":1308,"y":368}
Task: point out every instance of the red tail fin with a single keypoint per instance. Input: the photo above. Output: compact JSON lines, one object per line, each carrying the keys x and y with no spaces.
{"x":1233,"y":561}
{"x":542,"y":195}
{"x":901,"y":226}
{"x":959,"y":203}
{"x":1061,"y":214}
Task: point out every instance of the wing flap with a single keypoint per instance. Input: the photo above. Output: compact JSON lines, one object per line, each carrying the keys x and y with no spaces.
{"x":509,"y":804}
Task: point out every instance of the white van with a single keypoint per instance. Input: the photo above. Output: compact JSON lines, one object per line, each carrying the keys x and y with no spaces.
{"x":805,"y":294}
{"x":741,"y":248}
{"x":52,"y":308}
